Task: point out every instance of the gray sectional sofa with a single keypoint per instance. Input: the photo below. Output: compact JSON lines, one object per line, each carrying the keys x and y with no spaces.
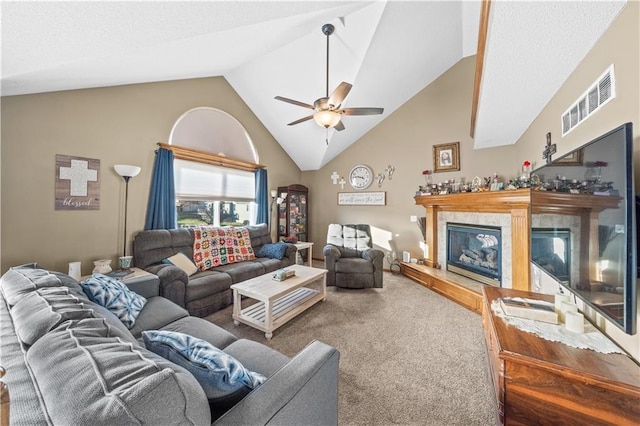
{"x":205,"y":291}
{"x":70,"y":361}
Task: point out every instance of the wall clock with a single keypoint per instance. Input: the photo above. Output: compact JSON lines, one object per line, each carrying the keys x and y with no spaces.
{"x":361,"y":176}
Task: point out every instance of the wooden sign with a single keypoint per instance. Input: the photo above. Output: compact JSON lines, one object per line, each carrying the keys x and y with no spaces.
{"x":77,"y":183}
{"x":362,"y":198}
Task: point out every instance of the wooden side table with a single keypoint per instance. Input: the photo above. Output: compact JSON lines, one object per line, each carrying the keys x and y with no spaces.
{"x":303,"y":246}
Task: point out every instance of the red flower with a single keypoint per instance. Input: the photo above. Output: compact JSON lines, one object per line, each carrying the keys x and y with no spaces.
{"x":600,"y":164}
{"x":426,"y":172}
{"x":526,"y":164}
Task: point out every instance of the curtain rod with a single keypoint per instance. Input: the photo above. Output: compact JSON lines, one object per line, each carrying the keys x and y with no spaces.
{"x":203,"y":157}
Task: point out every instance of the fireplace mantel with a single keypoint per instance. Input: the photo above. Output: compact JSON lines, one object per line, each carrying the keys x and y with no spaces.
{"x":516,"y":203}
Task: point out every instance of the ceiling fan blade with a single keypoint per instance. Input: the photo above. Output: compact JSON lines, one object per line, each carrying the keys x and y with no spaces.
{"x":339,"y":127}
{"x":338,"y":95}
{"x":302,"y":120}
{"x":291,"y":101}
{"x":362,"y":111}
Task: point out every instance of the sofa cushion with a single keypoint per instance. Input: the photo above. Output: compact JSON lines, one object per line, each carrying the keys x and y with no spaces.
{"x":206,"y":283}
{"x":243,"y":271}
{"x":221,"y":376}
{"x":354,"y":265}
{"x":40,"y":311}
{"x":115,"y":296}
{"x":87,"y":374}
{"x":157,"y":313}
{"x":19,"y":281}
{"x":202,"y":329}
{"x":183,"y":262}
{"x":272,"y":251}
{"x":257,"y":357}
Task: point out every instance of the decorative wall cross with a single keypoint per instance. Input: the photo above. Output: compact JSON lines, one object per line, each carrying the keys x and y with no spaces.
{"x":80,"y":175}
{"x":335,"y":177}
{"x":77,"y":183}
{"x":549,"y":149}
{"x":342,"y":182}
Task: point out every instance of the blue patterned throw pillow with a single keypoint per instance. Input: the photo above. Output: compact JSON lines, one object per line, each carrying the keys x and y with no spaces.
{"x":115,"y":296}
{"x":272,"y":251}
{"x":223,"y":378}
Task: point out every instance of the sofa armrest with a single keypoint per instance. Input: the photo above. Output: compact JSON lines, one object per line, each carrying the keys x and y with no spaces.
{"x":373,"y":255}
{"x":331,"y":255}
{"x":173,"y":282}
{"x":376,"y":257}
{"x":303,"y":392}
{"x":290,"y":253}
{"x":146,"y":285}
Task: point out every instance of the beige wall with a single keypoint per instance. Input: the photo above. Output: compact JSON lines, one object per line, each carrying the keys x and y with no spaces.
{"x":117,"y":125}
{"x":620,"y":46}
{"x":441,"y":113}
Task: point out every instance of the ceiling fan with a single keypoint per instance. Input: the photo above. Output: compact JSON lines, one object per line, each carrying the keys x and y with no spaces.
{"x":328,"y":111}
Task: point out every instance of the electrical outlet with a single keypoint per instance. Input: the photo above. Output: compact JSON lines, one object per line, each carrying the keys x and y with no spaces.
{"x":619,"y":229}
{"x":413,"y":218}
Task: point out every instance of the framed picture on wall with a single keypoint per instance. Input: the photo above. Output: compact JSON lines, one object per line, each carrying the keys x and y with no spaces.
{"x":446,"y":157}
{"x":573,"y":159}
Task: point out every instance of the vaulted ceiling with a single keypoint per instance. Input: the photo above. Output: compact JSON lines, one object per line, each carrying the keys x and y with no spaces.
{"x":388,"y":50}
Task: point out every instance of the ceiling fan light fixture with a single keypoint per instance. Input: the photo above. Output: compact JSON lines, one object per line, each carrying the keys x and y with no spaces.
{"x":327,"y":118}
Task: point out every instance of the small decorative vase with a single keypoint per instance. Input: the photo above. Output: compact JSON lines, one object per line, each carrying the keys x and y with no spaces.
{"x":526,"y":171}
{"x":102,"y":266}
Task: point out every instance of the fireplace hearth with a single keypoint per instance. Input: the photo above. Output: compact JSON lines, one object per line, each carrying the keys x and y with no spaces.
{"x":475,"y":251}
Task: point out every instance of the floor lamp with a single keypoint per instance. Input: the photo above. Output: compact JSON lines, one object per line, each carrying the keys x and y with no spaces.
{"x":127,"y":172}
{"x":278,"y":200}
{"x":274,"y":194}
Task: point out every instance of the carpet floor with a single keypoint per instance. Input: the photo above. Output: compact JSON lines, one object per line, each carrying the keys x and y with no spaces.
{"x":408,"y":356}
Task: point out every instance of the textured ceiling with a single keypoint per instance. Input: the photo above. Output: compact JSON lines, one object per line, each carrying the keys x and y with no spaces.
{"x":389,"y":51}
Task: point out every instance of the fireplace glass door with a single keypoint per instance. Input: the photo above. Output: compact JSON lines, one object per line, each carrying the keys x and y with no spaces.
{"x":475,"y":252}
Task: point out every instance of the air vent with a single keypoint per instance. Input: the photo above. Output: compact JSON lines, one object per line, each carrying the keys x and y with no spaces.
{"x":600,"y":92}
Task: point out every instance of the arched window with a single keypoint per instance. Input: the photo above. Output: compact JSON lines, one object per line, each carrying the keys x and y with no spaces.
{"x":214,"y":169}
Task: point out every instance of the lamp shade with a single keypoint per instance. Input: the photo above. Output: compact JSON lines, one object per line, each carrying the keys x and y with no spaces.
{"x":127,"y":171}
{"x":326,"y":118}
{"x":274,"y":193}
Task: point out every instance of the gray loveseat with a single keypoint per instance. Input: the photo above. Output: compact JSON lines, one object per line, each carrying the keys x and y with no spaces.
{"x":70,"y":361}
{"x":205,"y":291}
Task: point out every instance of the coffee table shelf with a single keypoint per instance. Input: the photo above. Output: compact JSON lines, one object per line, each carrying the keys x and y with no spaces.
{"x":278,"y":301}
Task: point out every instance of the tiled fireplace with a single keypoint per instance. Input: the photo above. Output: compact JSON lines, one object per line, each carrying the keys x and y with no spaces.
{"x":499,"y":222}
{"x":475,"y":252}
{"x":505,"y":211}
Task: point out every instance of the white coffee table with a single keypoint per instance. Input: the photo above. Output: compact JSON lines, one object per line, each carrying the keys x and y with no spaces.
{"x":278,"y":301}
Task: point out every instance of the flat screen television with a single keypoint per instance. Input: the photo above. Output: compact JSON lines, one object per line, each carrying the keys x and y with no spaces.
{"x":583,"y":218}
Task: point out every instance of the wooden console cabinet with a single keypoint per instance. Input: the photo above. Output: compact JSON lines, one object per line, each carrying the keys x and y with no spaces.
{"x":537,"y":381}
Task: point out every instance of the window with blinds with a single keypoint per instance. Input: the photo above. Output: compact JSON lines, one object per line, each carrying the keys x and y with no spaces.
{"x":212,"y":195}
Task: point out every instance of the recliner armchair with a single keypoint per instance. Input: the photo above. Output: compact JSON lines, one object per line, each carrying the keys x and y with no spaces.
{"x":350,"y":258}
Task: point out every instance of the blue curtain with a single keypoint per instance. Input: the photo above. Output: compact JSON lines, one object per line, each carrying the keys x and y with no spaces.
{"x":161,"y":210}
{"x":262,"y":196}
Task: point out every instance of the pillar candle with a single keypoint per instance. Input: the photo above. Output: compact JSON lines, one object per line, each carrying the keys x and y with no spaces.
{"x":74,"y":270}
{"x":574,"y":321}
{"x":559,"y":298}
{"x":567,"y":307}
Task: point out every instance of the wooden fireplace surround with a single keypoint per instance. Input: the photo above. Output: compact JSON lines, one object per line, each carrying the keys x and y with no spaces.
{"x":516,"y":203}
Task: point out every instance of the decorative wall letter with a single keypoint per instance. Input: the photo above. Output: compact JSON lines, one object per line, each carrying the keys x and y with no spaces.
{"x":77,"y":183}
